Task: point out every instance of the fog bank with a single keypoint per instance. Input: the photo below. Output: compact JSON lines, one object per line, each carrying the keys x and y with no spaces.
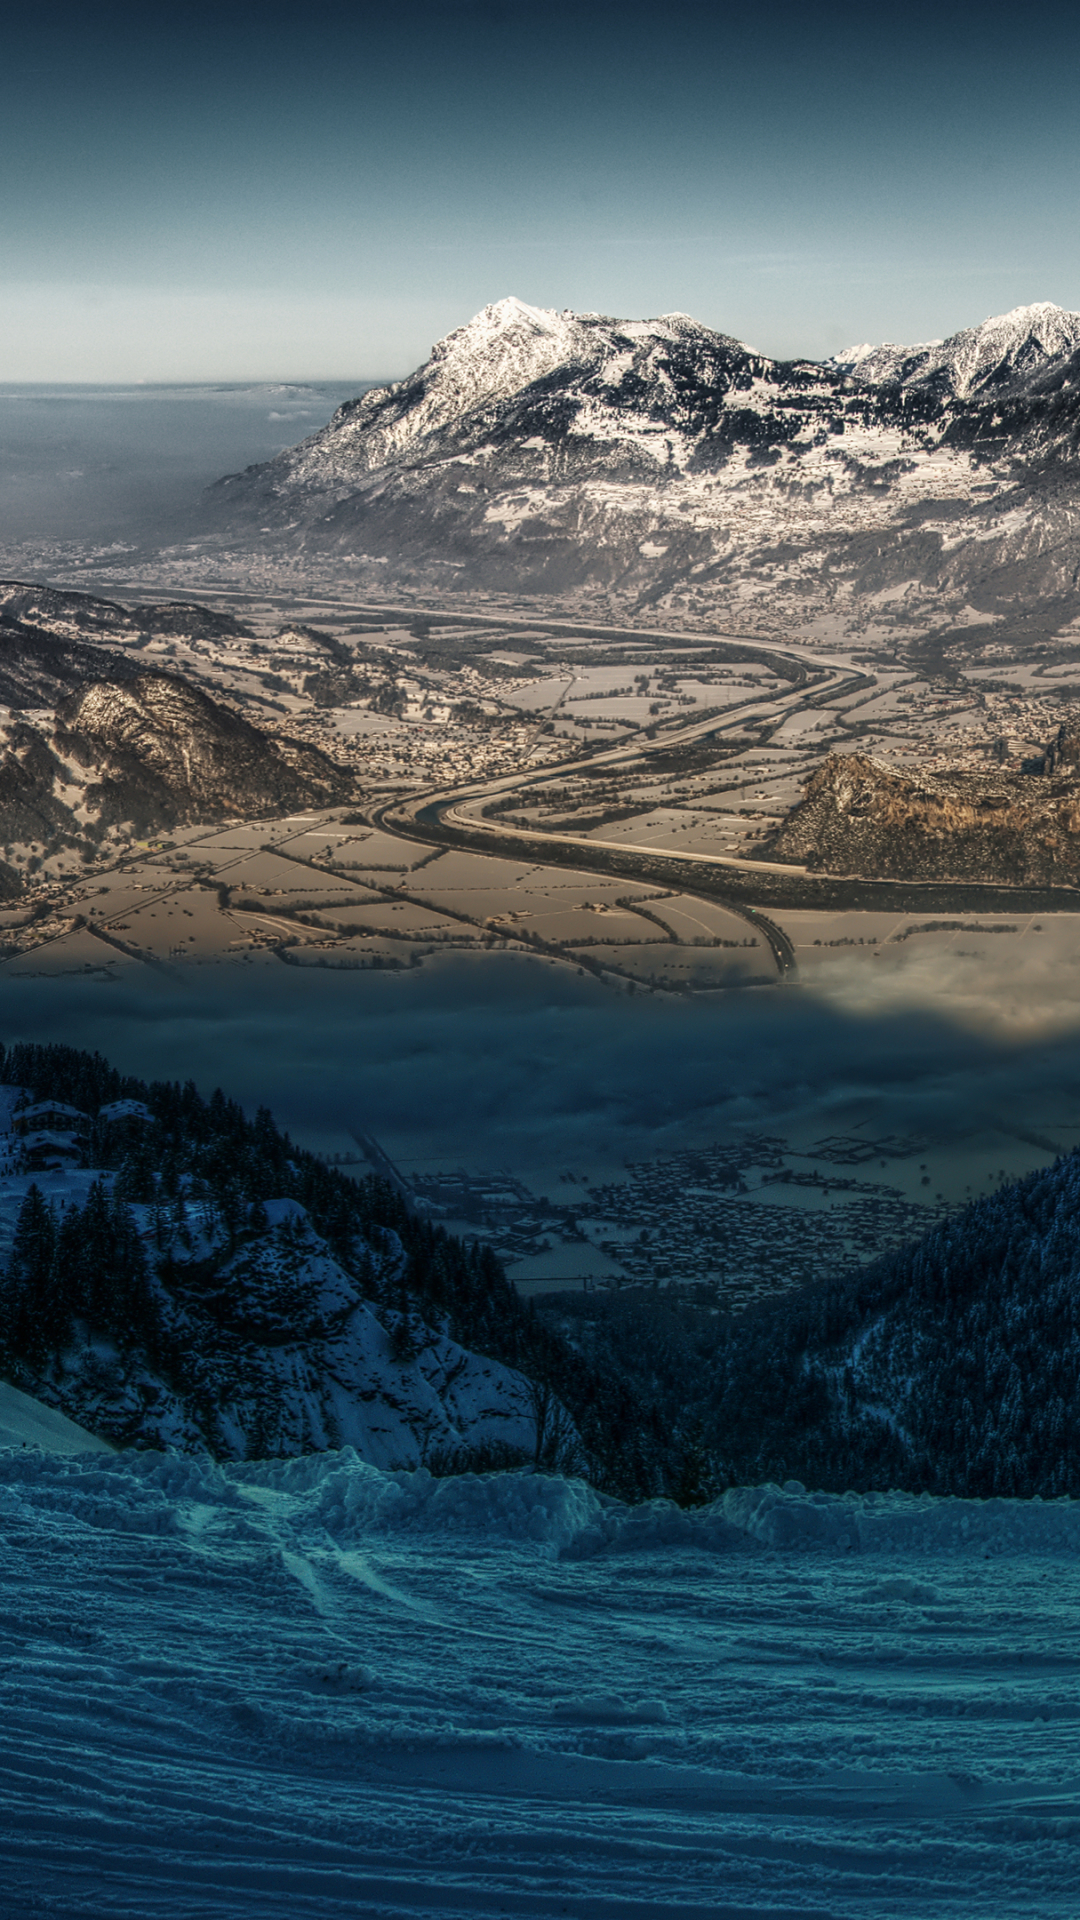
{"x":495,"y":1060}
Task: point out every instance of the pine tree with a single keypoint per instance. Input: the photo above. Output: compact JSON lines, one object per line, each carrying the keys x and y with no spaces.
{"x":34,"y":1310}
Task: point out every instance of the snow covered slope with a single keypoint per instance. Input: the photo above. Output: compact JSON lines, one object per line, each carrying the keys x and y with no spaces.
{"x":504,"y":349}
{"x":283,"y":1355}
{"x":670,"y":464}
{"x":311,"y":1690}
{"x":26,"y":1422}
{"x":158,"y":1291}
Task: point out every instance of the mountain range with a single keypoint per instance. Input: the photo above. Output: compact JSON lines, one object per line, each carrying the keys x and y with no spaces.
{"x":664,"y":463}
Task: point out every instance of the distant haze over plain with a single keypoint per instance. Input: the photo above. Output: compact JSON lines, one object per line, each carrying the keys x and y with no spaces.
{"x":236,"y":193}
{"x":115,"y":463}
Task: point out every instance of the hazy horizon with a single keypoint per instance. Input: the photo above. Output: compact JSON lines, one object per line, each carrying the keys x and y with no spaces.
{"x":257,"y":328}
{"x":115,"y":461}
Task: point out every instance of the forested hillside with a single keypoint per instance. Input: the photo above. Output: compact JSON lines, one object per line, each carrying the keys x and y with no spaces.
{"x":949,"y":1367}
{"x":189,"y":1277}
{"x":198,"y":1280}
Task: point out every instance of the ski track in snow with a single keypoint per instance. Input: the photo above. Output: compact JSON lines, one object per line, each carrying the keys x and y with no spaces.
{"x":313,"y":1688}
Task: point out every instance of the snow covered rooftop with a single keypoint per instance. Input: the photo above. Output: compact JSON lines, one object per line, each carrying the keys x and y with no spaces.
{"x":124,"y":1110}
{"x":54,"y":1114}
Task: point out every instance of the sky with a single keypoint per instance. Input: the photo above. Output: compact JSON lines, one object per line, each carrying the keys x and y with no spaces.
{"x":320,"y":192}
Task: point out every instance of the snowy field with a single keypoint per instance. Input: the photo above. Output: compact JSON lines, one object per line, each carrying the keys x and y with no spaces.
{"x":315,"y":1689}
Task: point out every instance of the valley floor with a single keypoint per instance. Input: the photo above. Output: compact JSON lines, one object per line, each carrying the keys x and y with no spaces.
{"x":310,"y":1688}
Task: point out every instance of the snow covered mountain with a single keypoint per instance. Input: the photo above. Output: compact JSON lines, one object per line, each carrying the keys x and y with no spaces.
{"x":665,"y":463}
{"x":1005,"y":354}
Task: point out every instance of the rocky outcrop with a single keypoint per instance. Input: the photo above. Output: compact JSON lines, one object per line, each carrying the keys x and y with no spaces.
{"x":162,"y":752}
{"x":861,"y":816}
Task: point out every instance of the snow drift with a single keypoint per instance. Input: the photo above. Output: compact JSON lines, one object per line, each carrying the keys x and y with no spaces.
{"x":311,"y":1688}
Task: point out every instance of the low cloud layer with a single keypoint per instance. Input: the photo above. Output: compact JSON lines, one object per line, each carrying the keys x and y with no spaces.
{"x":496,"y":1061}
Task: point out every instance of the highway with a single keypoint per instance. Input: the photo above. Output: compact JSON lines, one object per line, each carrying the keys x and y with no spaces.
{"x":455,"y":816}
{"x":431,"y":823}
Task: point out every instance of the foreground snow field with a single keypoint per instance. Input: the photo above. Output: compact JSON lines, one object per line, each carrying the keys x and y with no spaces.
{"x":314,"y":1688}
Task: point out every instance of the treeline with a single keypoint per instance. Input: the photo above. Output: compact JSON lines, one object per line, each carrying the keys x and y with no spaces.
{"x":76,"y":1263}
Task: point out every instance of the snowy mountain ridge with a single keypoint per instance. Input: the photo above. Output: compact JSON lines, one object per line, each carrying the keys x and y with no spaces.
{"x":626,"y":367}
{"x":948,"y":1366}
{"x":658,"y":463}
{"x":1006,"y":350}
{"x":509,"y":344}
{"x":504,"y":350}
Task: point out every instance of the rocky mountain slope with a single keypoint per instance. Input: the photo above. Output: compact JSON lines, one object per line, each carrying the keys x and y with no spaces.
{"x":94,"y":743}
{"x":176,"y":1275}
{"x":861,"y":816}
{"x":162,"y":752}
{"x":663,"y":461}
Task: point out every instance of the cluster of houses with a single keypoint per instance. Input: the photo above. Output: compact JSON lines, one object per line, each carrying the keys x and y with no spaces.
{"x":53,"y":1134}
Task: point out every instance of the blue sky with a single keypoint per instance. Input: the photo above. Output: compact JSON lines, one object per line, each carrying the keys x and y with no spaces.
{"x":236,"y":192}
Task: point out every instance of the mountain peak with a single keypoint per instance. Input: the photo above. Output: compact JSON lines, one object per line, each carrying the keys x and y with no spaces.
{"x":512,"y":312}
{"x":1004,"y":350}
{"x":512,"y":341}
{"x":503,"y":348}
